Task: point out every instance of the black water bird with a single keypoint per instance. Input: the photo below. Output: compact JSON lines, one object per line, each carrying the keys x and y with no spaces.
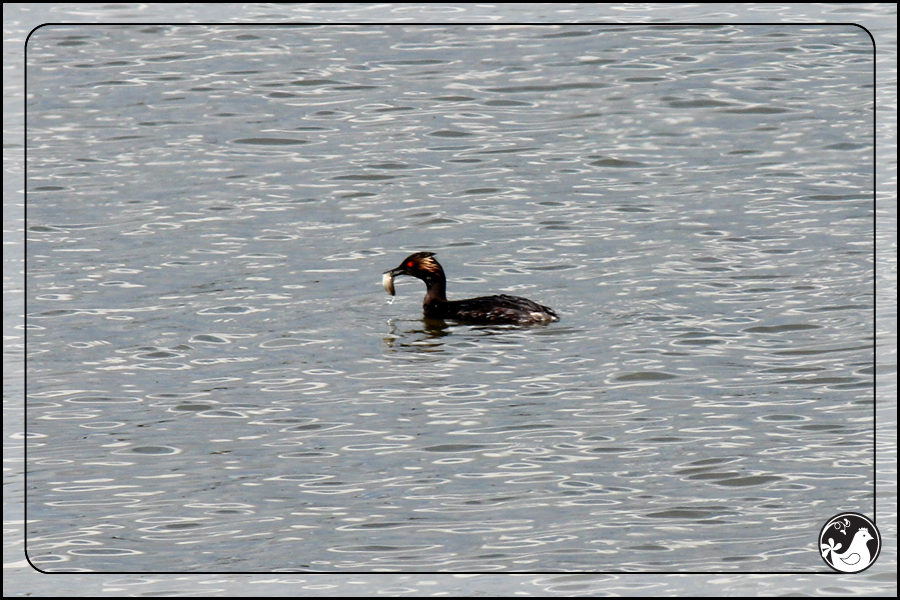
{"x":501,"y":309}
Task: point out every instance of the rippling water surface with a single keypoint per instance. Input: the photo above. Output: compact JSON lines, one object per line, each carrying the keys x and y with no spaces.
{"x":216,"y":381}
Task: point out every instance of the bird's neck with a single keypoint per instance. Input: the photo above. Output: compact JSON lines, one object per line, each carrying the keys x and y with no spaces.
{"x":436,"y":284}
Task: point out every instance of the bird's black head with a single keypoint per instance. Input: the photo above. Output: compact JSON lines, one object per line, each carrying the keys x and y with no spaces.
{"x":421,"y":265}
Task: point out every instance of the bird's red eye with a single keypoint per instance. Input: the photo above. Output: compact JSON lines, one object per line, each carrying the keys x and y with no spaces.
{"x":410,"y":264}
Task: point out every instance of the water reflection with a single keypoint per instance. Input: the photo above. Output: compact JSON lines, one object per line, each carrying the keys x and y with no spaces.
{"x":424,"y":335}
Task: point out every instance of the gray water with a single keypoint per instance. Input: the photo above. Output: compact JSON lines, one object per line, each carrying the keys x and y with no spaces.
{"x":216,"y":381}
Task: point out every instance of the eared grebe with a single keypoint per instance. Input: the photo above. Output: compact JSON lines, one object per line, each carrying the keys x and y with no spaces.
{"x":500,"y":309}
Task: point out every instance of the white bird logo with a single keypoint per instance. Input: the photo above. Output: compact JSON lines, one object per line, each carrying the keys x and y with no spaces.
{"x":853,"y":559}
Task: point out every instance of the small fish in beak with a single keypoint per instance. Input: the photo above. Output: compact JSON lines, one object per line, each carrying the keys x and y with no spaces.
{"x":387,"y":280}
